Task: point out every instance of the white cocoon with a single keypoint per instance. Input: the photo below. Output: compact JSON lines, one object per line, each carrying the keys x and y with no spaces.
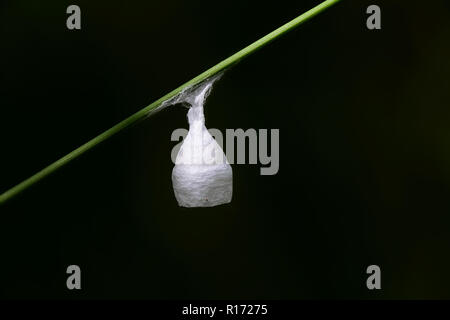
{"x":202,"y":176}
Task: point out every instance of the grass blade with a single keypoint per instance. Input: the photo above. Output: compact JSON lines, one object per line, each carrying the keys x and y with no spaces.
{"x":150,"y":109}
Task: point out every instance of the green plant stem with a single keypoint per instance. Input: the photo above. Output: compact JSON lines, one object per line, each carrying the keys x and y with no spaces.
{"x":143,"y":113}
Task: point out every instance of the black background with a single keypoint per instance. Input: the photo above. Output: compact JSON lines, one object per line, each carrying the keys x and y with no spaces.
{"x":364,"y":151}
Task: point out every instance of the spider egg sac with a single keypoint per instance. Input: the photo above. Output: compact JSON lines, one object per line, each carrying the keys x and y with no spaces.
{"x":202,"y":176}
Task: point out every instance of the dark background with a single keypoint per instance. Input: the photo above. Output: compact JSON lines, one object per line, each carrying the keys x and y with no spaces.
{"x":364,"y":151}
